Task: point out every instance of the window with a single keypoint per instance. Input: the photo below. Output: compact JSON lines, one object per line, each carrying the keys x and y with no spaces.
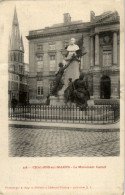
{"x":16,"y":68}
{"x":51,"y":87}
{"x":14,"y":57}
{"x":107,"y":58}
{"x":52,"y":63}
{"x":39,"y":63}
{"x":20,"y":60}
{"x":39,"y":88}
{"x":52,"y":47}
{"x":21,"y":70}
{"x":39,"y":47}
{"x":18,"y":57}
{"x":21,"y":57}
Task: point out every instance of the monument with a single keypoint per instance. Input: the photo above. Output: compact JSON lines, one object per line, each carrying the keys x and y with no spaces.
{"x":69,"y":85}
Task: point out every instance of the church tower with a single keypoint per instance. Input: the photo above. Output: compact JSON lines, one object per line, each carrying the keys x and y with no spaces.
{"x":16,"y":48}
{"x":16,"y":63}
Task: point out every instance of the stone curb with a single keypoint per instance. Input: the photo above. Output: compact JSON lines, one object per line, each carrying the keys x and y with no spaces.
{"x":73,"y":127}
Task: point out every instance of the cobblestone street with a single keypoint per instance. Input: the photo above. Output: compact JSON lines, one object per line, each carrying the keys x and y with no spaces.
{"x":46,"y":142}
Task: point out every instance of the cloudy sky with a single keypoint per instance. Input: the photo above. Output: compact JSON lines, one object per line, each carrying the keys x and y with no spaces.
{"x":39,"y":14}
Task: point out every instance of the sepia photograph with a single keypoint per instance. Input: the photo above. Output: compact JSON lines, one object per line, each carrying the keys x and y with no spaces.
{"x":62,"y":97}
{"x":63,"y":81}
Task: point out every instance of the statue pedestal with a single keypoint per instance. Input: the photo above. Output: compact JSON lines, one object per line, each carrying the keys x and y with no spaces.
{"x":90,"y":102}
{"x":72,"y":71}
{"x":59,"y":100}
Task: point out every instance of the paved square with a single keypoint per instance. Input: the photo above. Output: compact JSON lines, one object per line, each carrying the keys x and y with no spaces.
{"x":51,"y":142}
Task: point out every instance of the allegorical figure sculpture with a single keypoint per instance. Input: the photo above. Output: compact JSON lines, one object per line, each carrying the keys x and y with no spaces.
{"x":58,"y":82}
{"x":78,"y":93}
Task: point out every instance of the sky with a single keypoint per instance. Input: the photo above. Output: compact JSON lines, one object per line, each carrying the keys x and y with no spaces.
{"x":34,"y":15}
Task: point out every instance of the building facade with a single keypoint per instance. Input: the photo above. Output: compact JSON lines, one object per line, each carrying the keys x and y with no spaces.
{"x":101,"y":39}
{"x":17,"y":69}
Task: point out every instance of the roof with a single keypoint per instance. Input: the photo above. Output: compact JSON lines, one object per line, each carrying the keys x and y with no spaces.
{"x":75,"y":26}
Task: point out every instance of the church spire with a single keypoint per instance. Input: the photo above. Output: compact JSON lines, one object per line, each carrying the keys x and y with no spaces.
{"x":15,"y":36}
{"x":15,"y":19}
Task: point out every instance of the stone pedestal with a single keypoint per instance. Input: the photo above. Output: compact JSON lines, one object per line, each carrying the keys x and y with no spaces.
{"x":90,"y":102}
{"x":59,"y":100}
{"x":73,"y":71}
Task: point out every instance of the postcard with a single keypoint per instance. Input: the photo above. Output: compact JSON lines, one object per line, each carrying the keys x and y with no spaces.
{"x":62,"y":97}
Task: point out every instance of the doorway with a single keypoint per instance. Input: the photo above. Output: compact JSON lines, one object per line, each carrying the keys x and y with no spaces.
{"x":105,"y":87}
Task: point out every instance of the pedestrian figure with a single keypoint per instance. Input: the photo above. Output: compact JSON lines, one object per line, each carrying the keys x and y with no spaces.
{"x":14,"y":103}
{"x":48,"y":100}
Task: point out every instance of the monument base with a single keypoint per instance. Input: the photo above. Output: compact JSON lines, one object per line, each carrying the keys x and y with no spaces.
{"x":60,"y":101}
{"x":57,"y":100}
{"x":90,"y":102}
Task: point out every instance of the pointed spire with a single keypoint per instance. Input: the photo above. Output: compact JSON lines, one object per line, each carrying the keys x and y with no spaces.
{"x":21,"y":44}
{"x":15,"y":36}
{"x":15,"y":19}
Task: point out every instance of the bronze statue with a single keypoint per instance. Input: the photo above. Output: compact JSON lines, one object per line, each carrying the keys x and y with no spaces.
{"x":78,"y":93}
{"x":58,"y":82}
{"x":68,"y":93}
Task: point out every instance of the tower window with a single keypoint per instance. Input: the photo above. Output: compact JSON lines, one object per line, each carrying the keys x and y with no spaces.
{"x":18,"y":57}
{"x":21,"y":57}
{"x":14,"y":57}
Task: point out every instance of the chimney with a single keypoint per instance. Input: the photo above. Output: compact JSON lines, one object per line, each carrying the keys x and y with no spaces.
{"x":92,"y":16}
{"x":67,"y":18}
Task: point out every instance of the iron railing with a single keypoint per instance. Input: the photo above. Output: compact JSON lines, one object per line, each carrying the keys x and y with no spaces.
{"x":95,"y":114}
